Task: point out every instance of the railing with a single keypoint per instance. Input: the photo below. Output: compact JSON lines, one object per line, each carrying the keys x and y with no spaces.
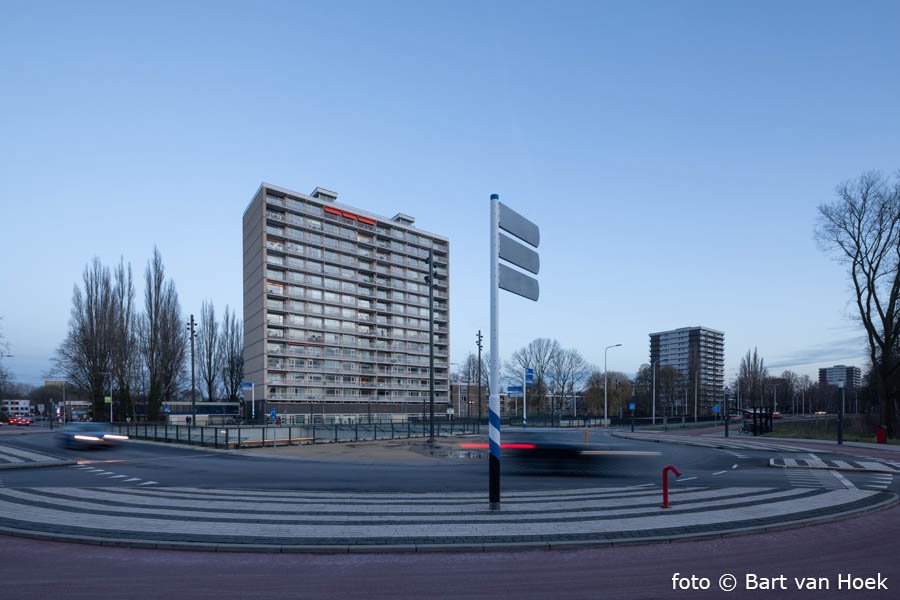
{"x":255,"y":436}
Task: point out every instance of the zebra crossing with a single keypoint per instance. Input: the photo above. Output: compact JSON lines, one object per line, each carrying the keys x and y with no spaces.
{"x":112,"y":476}
{"x":730,"y":443}
{"x":834,"y":464}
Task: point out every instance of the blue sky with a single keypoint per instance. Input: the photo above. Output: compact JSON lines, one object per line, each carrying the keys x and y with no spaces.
{"x":673,"y":154}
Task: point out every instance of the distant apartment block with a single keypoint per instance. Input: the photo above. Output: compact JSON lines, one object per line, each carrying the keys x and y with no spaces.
{"x":336,"y":310}
{"x":841,"y":376}
{"x":698,"y":354}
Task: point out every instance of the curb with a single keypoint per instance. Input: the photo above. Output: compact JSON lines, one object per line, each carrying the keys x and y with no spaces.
{"x":471,"y":547}
{"x":36,"y":465}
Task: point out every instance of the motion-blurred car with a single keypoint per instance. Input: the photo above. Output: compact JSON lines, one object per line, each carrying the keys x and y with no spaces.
{"x":547,"y":453}
{"x":88,"y":435}
{"x":20,"y":421}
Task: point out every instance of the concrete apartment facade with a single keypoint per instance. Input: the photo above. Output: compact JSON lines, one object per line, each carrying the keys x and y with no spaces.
{"x":698,"y":354}
{"x":841,"y":375}
{"x":336,"y":310}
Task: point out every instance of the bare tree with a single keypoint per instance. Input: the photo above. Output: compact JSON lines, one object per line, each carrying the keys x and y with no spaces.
{"x":163,"y":336}
{"x":537,"y":355}
{"x":125,"y":354}
{"x":567,"y":370}
{"x":668,"y":379}
{"x":85,"y":356}
{"x":863,"y":229}
{"x":231,"y":351}
{"x":209,"y":349}
{"x":751,"y":378}
{"x":5,"y":375}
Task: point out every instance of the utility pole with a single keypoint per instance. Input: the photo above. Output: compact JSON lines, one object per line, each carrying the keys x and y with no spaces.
{"x":696,"y":380}
{"x":429,"y":279}
{"x":478,"y":339}
{"x":193,"y":332}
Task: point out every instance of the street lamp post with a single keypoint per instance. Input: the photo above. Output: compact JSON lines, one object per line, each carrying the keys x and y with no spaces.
{"x":478,"y":339}
{"x":653,"y":409}
{"x":429,"y":279}
{"x":606,"y":386}
{"x":725,"y":408}
{"x":192,"y":332}
{"x":458,"y":391}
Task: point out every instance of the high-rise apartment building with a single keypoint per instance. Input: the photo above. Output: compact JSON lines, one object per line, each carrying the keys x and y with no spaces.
{"x":336,"y":309}
{"x":841,"y":376}
{"x":698,"y":355}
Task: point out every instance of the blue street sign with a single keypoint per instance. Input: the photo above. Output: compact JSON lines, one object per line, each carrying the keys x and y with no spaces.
{"x":716,"y":408}
{"x":272,"y":414}
{"x":529,"y":376}
{"x":514,"y":388}
{"x":631,"y":406}
{"x":166,"y":409}
{"x":246,"y":385}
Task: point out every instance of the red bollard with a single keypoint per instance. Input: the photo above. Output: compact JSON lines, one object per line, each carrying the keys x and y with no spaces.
{"x":665,"y":478}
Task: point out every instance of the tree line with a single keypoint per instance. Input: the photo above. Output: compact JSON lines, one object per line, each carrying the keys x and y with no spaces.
{"x":113,"y":348}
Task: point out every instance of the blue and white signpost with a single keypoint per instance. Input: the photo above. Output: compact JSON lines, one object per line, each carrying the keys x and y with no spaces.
{"x":249,"y":385}
{"x":519,"y":253}
{"x":527,"y":379}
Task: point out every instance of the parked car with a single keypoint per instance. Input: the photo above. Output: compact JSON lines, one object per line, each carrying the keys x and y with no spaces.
{"x":20,"y":421}
{"x":88,"y":435}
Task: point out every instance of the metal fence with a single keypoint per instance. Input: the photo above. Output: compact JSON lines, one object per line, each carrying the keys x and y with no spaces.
{"x":255,"y":436}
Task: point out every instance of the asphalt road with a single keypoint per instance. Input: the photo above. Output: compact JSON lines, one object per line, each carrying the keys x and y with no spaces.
{"x":167,"y":465}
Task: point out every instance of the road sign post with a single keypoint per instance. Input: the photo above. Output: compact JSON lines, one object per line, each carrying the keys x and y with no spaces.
{"x":511,"y":280}
{"x":244,"y":386}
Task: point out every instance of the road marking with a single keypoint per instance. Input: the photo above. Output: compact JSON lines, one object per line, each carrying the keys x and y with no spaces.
{"x":619,"y":453}
{"x":118,"y":476}
{"x":842,"y":464}
{"x":132,"y":479}
{"x":734,"y":466}
{"x":843,"y":480}
{"x":719,"y":472}
{"x":148,"y":483}
{"x":686,"y":479}
{"x":104,"y":473}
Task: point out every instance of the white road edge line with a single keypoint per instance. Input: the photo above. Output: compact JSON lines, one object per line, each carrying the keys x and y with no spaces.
{"x":719,"y":472}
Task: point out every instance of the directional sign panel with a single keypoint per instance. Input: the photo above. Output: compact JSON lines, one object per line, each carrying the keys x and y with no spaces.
{"x":519,"y":255}
{"x":514,"y":388}
{"x":529,"y":376}
{"x":246,"y":385}
{"x":514,"y":223}
{"x":518,"y":283}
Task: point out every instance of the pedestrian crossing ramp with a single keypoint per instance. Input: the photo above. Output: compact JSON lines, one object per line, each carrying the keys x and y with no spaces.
{"x":13,"y":457}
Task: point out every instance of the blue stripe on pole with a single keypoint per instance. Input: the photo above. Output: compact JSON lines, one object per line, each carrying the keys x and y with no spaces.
{"x":495,"y":449}
{"x":494,"y":420}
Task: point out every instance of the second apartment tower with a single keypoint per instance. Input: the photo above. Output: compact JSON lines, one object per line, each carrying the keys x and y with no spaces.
{"x":698,"y":355}
{"x":336,"y":310}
